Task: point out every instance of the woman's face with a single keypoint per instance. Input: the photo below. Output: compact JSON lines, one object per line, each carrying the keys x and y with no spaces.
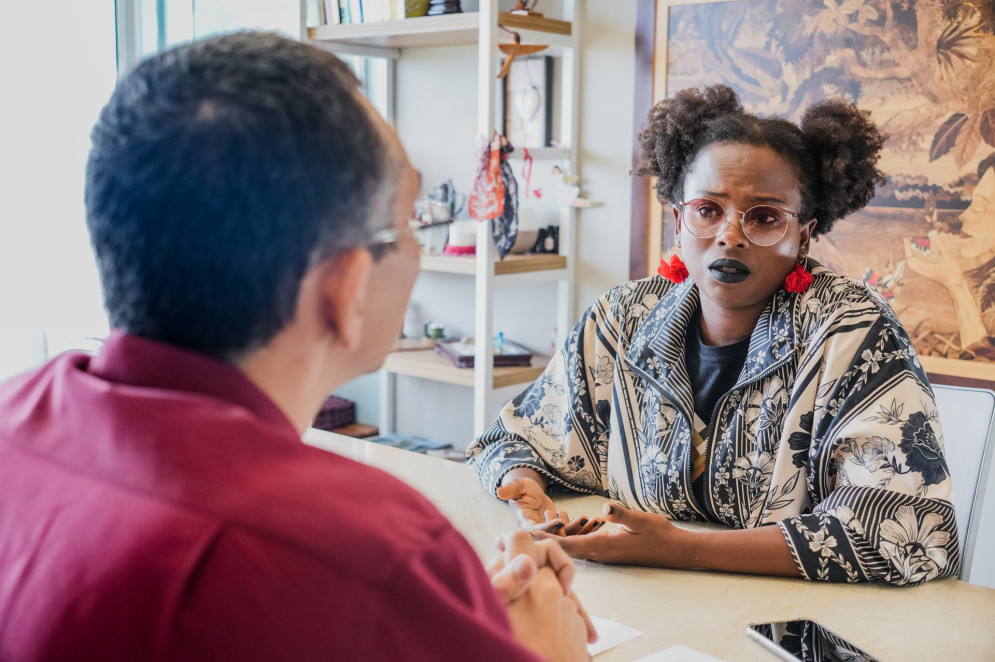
{"x":738,"y":177}
{"x":979,"y":218}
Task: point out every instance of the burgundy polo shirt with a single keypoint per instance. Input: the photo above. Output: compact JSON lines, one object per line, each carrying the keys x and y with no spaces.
{"x":156,"y":505}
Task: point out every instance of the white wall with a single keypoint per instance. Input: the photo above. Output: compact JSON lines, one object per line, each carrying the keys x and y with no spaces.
{"x":606,"y":92}
{"x":54,"y":88}
{"x":57,"y":68}
{"x":436,"y":98}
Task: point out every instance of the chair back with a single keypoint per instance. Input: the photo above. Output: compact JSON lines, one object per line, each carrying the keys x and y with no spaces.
{"x":968,"y":419}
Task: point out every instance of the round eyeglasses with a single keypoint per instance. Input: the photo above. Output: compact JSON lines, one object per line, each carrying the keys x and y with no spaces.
{"x":393,"y":235}
{"x":763,"y":225}
{"x":383,"y":241}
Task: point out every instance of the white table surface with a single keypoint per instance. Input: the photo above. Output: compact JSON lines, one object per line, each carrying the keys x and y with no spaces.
{"x":708,"y":611}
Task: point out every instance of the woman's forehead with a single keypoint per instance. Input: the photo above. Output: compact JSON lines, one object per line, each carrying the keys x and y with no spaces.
{"x":735,"y":169}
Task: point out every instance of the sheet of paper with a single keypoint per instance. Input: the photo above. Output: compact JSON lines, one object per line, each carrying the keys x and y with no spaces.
{"x":610,"y":635}
{"x":679,"y":654}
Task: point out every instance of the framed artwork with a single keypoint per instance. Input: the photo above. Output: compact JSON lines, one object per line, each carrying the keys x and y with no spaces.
{"x":526,"y":102}
{"x":926,"y":71}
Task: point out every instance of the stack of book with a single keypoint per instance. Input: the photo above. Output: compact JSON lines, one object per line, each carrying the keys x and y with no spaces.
{"x":460,"y":352}
{"x":421,"y":445}
{"x":334,"y":12}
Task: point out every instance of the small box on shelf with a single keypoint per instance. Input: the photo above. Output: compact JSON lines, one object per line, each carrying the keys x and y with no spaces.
{"x":335,"y":412}
{"x":357,"y":430}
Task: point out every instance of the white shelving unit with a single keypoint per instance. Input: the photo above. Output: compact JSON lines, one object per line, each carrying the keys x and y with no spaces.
{"x":388,"y":39}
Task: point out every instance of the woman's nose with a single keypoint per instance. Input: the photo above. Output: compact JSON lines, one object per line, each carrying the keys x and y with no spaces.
{"x":731,"y":231}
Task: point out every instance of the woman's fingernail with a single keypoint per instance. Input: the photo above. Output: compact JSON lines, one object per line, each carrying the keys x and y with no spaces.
{"x":600,"y":524}
{"x":583,"y":522}
{"x":558,"y":526}
{"x":611,"y":509}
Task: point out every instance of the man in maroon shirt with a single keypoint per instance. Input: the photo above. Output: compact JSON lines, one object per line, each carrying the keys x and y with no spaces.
{"x":248,"y":210}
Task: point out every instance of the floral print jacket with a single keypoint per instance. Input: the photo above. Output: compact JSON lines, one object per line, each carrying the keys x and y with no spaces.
{"x":831,"y":431}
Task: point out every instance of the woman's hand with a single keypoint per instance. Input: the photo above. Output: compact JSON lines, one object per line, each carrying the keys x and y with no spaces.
{"x":650,"y":539}
{"x":532,"y":506}
{"x":639,"y":539}
{"x":535,"y":510}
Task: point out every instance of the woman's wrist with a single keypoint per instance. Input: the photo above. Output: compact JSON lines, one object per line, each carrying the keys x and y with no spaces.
{"x":523,"y":472}
{"x":761,"y":550}
{"x":698,"y":550}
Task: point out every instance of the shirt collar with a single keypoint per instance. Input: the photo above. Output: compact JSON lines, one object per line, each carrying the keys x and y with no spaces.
{"x":657,"y":347}
{"x":136,"y":361}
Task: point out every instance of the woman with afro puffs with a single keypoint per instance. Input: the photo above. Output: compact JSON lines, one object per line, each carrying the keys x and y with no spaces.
{"x":746,"y":384}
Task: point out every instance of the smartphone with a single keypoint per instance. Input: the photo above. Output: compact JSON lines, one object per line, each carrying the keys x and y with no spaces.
{"x":806,"y":640}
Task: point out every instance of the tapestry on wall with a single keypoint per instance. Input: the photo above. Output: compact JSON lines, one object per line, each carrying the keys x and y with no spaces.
{"x":926,"y":71}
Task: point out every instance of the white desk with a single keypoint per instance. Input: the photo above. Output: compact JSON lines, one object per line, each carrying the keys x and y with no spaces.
{"x":708,"y":611}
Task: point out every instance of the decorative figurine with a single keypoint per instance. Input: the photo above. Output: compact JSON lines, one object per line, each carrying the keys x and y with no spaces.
{"x":437,"y":7}
{"x":515,"y":49}
{"x":566,"y":190}
{"x":526,"y":8}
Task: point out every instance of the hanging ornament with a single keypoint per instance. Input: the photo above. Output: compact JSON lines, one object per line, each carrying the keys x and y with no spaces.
{"x":504,"y":228}
{"x":494,"y":196}
{"x":487,"y":194}
{"x":527,"y":172}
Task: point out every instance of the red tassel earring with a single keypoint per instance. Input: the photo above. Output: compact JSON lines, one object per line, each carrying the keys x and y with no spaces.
{"x":799,"y":279}
{"x":674,"y":271}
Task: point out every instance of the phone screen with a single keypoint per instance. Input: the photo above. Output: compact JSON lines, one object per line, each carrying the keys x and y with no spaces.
{"x":807,"y":641}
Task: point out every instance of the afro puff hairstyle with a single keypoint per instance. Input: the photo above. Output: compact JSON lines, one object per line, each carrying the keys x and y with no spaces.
{"x":835,"y":149}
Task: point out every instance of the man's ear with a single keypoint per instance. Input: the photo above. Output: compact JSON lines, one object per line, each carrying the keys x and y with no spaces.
{"x":344,"y":291}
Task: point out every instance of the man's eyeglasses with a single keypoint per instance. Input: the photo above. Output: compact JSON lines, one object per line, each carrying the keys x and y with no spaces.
{"x":393,"y":235}
{"x":763,"y":225}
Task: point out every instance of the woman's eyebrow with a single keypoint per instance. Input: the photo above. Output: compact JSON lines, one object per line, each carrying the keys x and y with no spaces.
{"x":754,"y":198}
{"x":713,"y":194}
{"x":769,"y":198}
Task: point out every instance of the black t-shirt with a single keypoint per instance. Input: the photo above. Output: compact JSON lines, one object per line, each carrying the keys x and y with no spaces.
{"x":713,"y":372}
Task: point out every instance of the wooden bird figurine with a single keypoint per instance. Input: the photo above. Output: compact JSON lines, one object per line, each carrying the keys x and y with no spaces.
{"x":514,"y":50}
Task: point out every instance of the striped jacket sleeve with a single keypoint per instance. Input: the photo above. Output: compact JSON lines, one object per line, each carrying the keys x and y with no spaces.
{"x":559,"y":424}
{"x":881,"y":492}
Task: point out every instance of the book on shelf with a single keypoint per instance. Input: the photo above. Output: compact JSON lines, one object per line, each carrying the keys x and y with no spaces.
{"x":460,"y":352}
{"x":372,"y":10}
{"x":333,"y":12}
{"x":401,"y":9}
{"x":312,"y":12}
{"x":369,"y":11}
{"x":355,"y":10}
